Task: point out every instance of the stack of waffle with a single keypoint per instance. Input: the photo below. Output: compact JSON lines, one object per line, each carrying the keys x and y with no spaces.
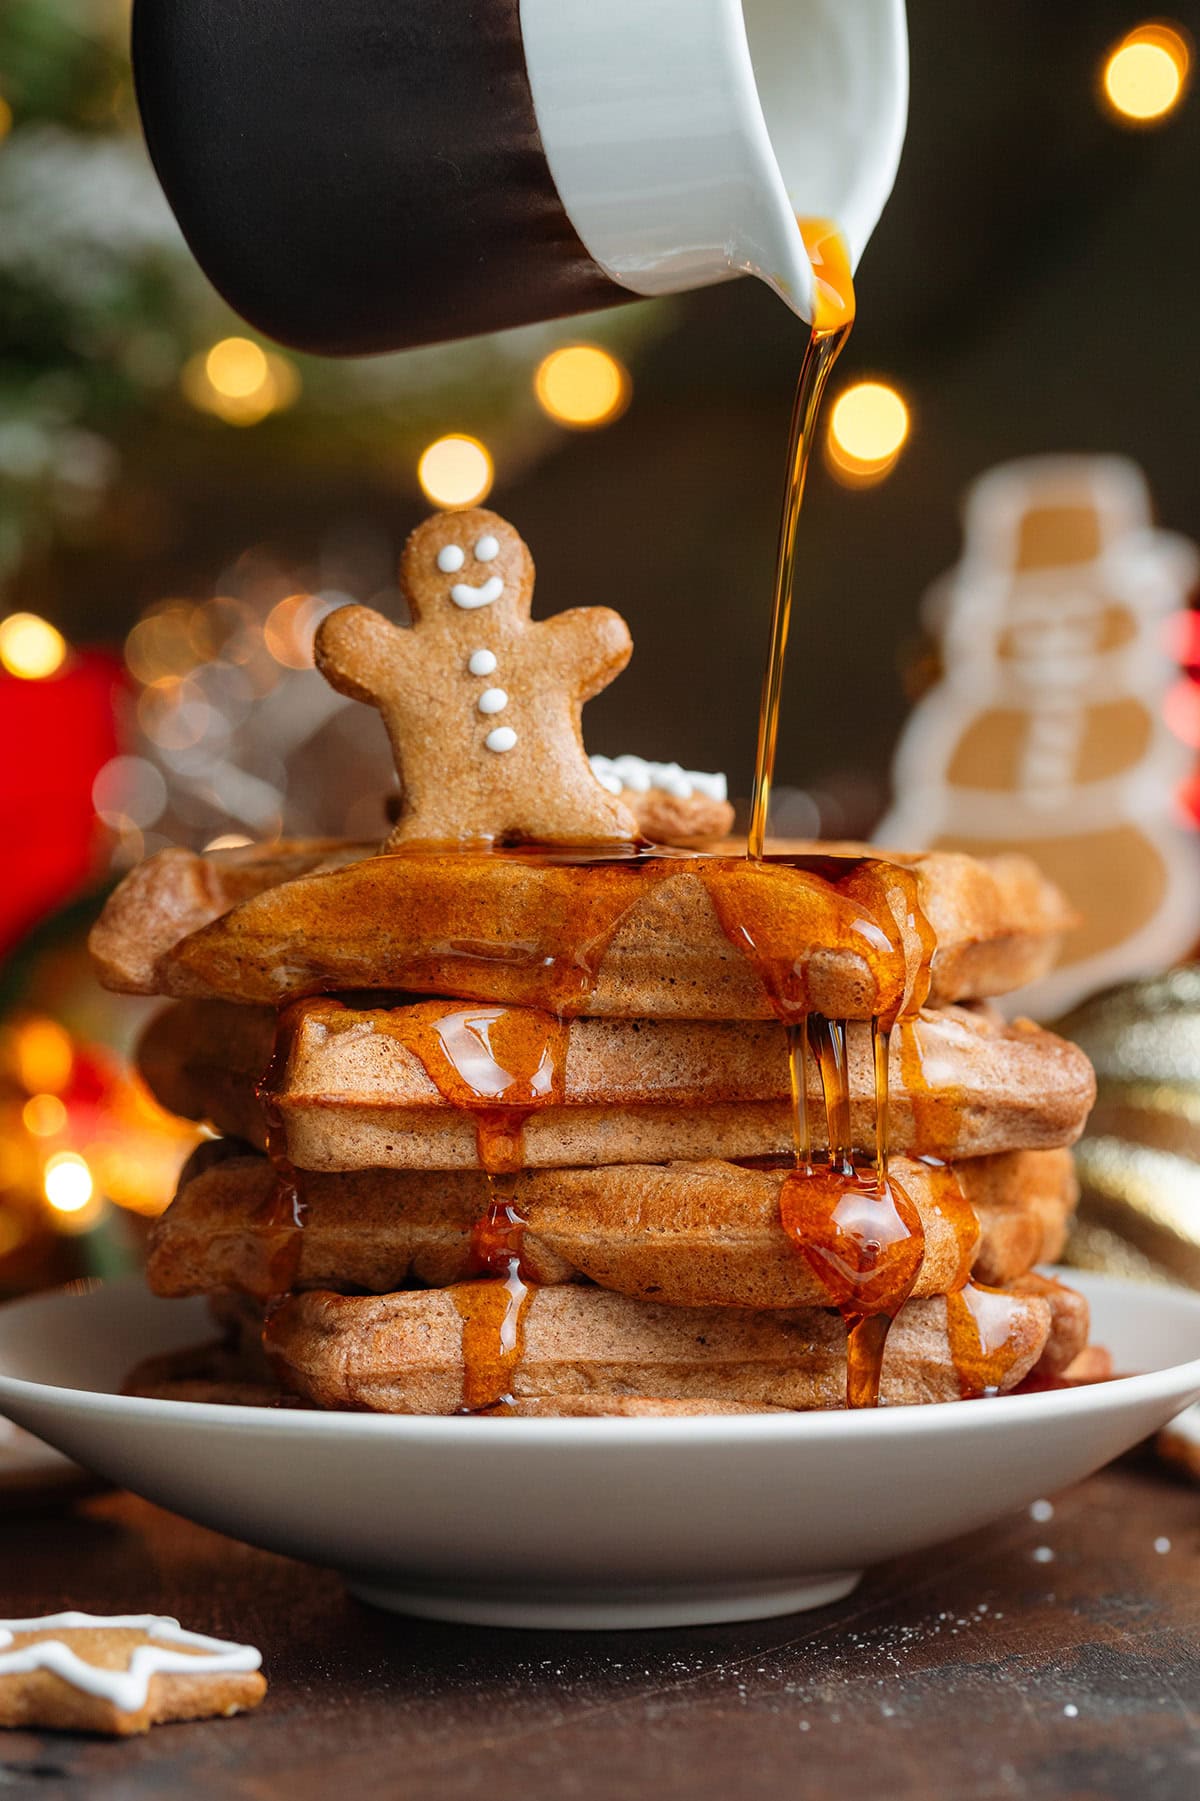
{"x":592,"y":1135}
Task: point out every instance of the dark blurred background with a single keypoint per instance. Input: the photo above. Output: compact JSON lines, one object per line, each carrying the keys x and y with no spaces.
{"x":181,"y":502}
{"x":1032,"y":286}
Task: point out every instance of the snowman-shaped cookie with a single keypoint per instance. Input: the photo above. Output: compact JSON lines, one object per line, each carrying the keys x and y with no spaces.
{"x":481,"y":702}
{"x":1045,"y":732}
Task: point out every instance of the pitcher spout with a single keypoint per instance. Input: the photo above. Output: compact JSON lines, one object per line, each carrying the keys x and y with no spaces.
{"x":685,"y":136}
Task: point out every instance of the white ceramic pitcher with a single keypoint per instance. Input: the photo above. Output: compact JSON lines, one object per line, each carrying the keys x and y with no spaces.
{"x":368,"y":174}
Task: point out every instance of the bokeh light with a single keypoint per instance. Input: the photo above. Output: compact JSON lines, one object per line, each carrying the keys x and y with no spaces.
{"x":45,"y":1056}
{"x":456,"y":471}
{"x":868,"y":427}
{"x":44,"y":1115}
{"x":31,"y":647}
{"x":289,"y":628}
{"x":129,"y":789}
{"x":240,"y":382}
{"x":6,"y":119}
{"x":1181,"y":710}
{"x":1145,"y":75}
{"x":67,"y":1182}
{"x":237,"y":368}
{"x":1181,"y":632}
{"x":582,"y":386}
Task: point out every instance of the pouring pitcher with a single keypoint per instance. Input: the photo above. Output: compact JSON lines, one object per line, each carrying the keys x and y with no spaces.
{"x":365,"y":175}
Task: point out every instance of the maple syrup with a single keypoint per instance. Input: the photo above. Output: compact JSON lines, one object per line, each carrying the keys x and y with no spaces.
{"x":499,"y":1064}
{"x":281,"y":1220}
{"x":833,"y":290}
{"x":856,"y":1228}
{"x":979,"y":1323}
{"x":493,"y":1309}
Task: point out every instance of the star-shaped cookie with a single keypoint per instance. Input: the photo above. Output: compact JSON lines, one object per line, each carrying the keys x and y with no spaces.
{"x":119,"y":1674}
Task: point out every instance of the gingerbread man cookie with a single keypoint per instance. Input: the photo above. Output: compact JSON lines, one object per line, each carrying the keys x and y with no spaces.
{"x":84,"y":1672}
{"x":482,"y":703}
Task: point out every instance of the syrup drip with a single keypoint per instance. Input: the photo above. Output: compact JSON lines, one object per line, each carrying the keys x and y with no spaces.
{"x":493,"y":1310}
{"x":538,"y":945}
{"x":979,"y":1322}
{"x":797,"y":1036}
{"x":500,"y":1064}
{"x":854,"y":1224}
{"x":281,"y":1220}
{"x":856,"y":1228}
{"x":789,"y":914}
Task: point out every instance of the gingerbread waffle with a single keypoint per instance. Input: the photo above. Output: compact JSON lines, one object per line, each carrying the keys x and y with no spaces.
{"x":685,"y":1234}
{"x":404,"y":1353}
{"x":633,"y":936}
{"x":357,"y":1088}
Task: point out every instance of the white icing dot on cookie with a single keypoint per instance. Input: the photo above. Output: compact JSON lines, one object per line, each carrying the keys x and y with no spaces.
{"x":492,"y":700}
{"x":502,"y":738}
{"x":465,"y":596}
{"x":487,"y":547}
{"x":481,"y":662}
{"x":126,"y":1689}
{"x":450,"y":559}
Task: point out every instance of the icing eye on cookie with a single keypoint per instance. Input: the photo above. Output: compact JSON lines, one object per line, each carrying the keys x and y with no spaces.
{"x":450,"y":559}
{"x":486,"y":548}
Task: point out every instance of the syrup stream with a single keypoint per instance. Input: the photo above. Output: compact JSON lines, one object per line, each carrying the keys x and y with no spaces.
{"x":834,"y":292}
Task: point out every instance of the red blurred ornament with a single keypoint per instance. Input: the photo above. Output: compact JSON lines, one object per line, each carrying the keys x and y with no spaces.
{"x":55,"y":736}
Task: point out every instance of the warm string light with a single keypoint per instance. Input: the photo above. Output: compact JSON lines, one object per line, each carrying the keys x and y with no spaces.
{"x":67,"y":1182}
{"x":44,"y":1116}
{"x":239,"y":382}
{"x":1145,"y":75}
{"x":456,"y":471}
{"x":31,"y":647}
{"x":44,"y":1056}
{"x":868,"y":428}
{"x":582,"y":386}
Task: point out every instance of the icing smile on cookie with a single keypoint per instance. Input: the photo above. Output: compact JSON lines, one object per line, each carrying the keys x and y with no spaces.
{"x":465,"y":596}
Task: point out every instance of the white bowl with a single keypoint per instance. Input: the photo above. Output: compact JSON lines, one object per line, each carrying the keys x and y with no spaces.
{"x":583,"y":1522}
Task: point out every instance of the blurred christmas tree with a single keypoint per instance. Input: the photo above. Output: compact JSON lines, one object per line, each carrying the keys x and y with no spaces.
{"x":121,"y":371}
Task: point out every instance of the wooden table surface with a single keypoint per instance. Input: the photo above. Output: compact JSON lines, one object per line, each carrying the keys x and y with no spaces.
{"x":1051,"y":1657}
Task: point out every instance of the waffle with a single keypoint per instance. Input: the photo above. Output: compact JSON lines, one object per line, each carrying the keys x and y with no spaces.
{"x":684,"y":1234}
{"x":350,"y":1091}
{"x":403,"y":1353}
{"x":649,"y":937}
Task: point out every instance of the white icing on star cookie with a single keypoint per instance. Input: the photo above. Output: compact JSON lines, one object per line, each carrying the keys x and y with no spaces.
{"x":492,"y":700}
{"x":640,"y":776}
{"x":126,"y":1689}
{"x":468,"y":597}
{"x":482,"y":662}
{"x":502,"y":738}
